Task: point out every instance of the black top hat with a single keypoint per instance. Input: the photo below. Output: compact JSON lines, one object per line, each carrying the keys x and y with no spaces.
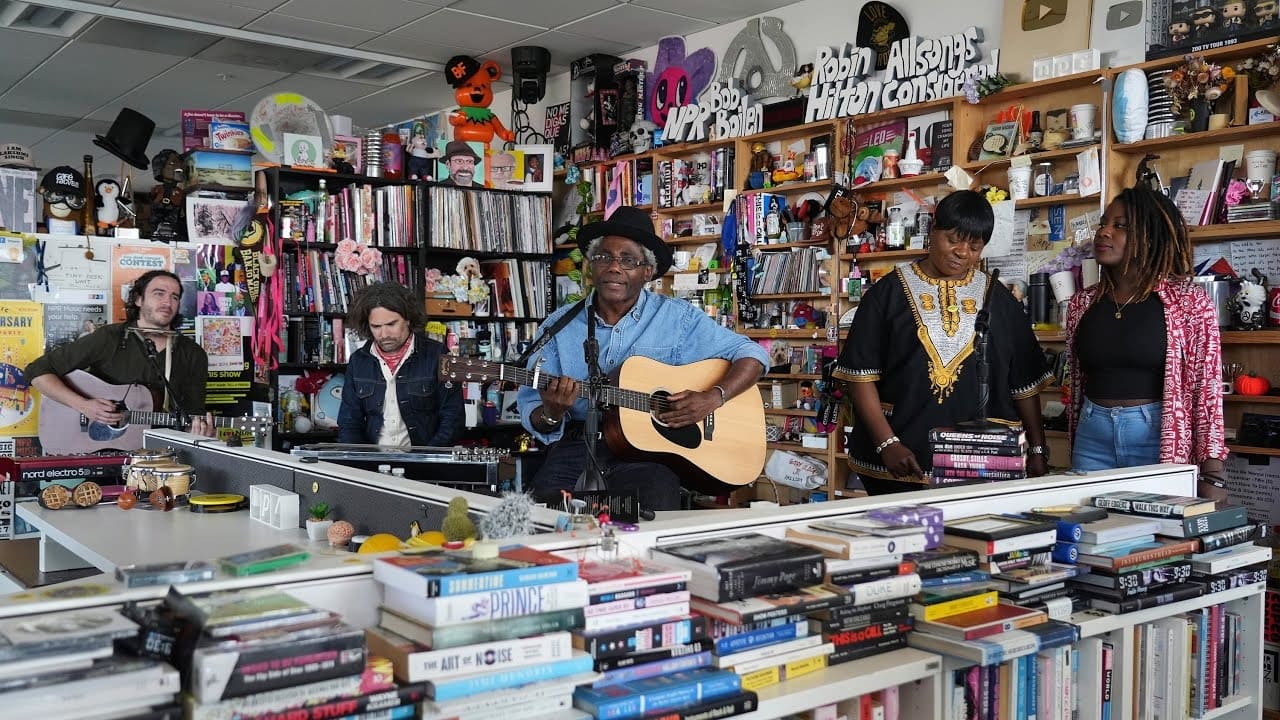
{"x":632,"y":224}
{"x":460,"y":68}
{"x":128,"y":137}
{"x":459,"y":147}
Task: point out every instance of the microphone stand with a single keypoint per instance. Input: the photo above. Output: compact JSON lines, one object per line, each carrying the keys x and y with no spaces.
{"x":592,"y":479}
{"x":981,"y":339}
{"x":176,"y":411}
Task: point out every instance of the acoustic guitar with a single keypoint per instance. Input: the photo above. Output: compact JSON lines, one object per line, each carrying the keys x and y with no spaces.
{"x":729,"y":446}
{"x":63,"y":430}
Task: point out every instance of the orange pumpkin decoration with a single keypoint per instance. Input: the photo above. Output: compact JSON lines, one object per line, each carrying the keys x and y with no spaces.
{"x":127,"y":500}
{"x":1252,"y":384}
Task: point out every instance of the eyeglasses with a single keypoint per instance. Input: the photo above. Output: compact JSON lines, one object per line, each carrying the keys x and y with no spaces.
{"x":71,"y":200}
{"x":502,"y":168}
{"x":626,"y":262}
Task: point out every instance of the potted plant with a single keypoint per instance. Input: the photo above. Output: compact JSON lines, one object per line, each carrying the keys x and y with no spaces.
{"x":318,"y":523}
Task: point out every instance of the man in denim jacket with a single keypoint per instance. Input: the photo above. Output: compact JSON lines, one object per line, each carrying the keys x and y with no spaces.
{"x":392,"y":395}
{"x":622,"y":254}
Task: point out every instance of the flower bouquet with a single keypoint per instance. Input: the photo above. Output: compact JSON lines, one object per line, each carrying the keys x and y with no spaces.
{"x":352,"y":256}
{"x":1197,"y":81}
{"x":1264,"y":77}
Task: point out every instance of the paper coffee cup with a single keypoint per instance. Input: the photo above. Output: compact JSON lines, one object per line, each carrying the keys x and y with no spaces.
{"x":1063,"y":283}
{"x":1020,"y":182}
{"x":1082,"y":121}
{"x":1260,"y":165}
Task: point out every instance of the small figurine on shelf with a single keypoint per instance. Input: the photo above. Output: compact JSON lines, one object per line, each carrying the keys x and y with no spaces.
{"x":1265,"y":13}
{"x":421,"y":156}
{"x":108,"y":199}
{"x":788,"y":171}
{"x":457,"y":525}
{"x":641,"y":136}
{"x":1204,"y":22}
{"x":1179,"y":31}
{"x":472,"y":83}
{"x":338,"y":160}
{"x":1234,"y":16}
{"x":807,"y":397}
{"x":761,"y":167}
{"x":802,"y":78}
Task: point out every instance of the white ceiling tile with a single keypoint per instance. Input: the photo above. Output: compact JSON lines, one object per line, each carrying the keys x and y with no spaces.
{"x":195,"y":84}
{"x":23,"y":51}
{"x":543,"y":13}
{"x":60,"y":86}
{"x":716,"y":11}
{"x":637,"y":25}
{"x":219,"y":12}
{"x":376,"y":15}
{"x":412,"y":99}
{"x":311,"y":30}
{"x":567,"y":47}
{"x":399,"y":43}
{"x":328,"y":93}
{"x":24,"y":135}
{"x":477,"y":33}
{"x":123,"y":33}
{"x":261,"y":55}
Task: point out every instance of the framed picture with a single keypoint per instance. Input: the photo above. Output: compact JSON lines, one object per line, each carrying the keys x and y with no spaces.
{"x":303,"y":150}
{"x":214,"y":221}
{"x":354,"y":149}
{"x":996,"y":527}
{"x":503,"y":169}
{"x":539,"y":163}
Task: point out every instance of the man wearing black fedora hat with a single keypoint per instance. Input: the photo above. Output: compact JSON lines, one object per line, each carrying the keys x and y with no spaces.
{"x":623,"y":254}
{"x":461,"y":161}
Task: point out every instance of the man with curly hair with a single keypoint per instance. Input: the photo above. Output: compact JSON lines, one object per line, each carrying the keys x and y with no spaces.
{"x":392,"y":395}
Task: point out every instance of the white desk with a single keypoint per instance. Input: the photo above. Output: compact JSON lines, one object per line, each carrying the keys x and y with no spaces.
{"x":107,"y":537}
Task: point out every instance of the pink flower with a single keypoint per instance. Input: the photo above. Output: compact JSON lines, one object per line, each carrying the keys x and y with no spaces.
{"x":347,"y":246}
{"x":370,"y":259}
{"x":1236,"y":192}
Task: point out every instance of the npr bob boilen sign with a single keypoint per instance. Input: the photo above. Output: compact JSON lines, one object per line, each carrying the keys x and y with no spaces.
{"x":723,"y":109}
{"x":919,"y":70}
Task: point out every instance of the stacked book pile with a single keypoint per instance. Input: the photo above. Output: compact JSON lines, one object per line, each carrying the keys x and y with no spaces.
{"x":486,"y":630}
{"x":263,"y":653}
{"x":1154,"y":549}
{"x":756,"y":597}
{"x":61,"y":665}
{"x":963,"y":458}
{"x":653,"y":655}
{"x":993,"y":613}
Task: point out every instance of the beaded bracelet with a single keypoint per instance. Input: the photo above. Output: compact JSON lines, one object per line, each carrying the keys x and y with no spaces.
{"x":881,"y":447}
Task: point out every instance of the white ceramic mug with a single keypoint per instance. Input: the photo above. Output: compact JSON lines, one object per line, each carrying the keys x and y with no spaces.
{"x":1082,"y":121}
{"x":1260,"y":165}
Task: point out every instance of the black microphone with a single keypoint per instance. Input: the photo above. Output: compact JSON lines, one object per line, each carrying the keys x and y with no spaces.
{"x":152,"y":352}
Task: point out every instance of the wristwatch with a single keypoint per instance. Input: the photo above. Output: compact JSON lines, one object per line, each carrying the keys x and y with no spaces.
{"x":1039,"y":450}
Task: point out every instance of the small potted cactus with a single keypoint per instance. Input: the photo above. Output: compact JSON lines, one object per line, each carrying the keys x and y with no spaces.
{"x":318,"y":523}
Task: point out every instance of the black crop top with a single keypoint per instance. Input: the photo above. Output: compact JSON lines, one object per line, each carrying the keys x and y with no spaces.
{"x":1123,"y":358}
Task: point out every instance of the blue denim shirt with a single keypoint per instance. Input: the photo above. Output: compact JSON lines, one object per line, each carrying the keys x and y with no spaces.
{"x":432,"y":412}
{"x":662,"y":328}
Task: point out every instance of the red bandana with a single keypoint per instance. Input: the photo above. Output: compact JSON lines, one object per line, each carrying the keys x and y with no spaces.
{"x":393,"y":359}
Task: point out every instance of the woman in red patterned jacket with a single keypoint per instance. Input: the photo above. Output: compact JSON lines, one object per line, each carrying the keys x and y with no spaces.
{"x":1145,"y":350}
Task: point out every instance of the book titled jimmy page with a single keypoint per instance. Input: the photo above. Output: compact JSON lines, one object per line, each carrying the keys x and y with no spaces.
{"x":456,"y":573}
{"x":739,"y":566}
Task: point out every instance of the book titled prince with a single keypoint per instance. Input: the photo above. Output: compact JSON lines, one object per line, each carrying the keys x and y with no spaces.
{"x":439,"y":574}
{"x":740,"y":566}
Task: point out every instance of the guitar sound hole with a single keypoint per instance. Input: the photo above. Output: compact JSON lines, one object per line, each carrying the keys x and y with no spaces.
{"x":685,"y":437}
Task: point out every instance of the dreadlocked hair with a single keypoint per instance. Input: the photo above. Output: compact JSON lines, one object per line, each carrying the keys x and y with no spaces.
{"x":1156,"y":244}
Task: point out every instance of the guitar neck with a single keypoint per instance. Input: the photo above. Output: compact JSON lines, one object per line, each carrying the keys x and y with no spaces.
{"x":618,"y":397}
{"x":164,"y":419}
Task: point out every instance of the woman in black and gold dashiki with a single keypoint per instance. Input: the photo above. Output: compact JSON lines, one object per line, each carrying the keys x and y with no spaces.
{"x":909,"y":358}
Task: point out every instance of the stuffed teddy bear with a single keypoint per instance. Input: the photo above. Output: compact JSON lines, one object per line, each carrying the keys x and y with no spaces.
{"x":472,"y":83}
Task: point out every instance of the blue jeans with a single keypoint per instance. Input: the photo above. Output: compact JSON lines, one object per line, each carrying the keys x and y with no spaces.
{"x":1116,"y":437}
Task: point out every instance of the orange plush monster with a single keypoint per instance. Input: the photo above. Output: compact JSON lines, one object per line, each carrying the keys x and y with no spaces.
{"x":472,"y":83}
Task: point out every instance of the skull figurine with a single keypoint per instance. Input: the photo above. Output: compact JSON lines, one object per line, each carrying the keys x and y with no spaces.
{"x":1248,"y":306}
{"x":641,"y":136}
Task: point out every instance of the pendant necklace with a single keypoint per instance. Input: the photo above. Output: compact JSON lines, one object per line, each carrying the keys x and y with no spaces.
{"x":1120,"y":308}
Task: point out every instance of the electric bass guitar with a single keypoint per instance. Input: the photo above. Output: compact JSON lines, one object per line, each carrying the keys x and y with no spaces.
{"x":729,"y":446}
{"x":63,"y":430}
